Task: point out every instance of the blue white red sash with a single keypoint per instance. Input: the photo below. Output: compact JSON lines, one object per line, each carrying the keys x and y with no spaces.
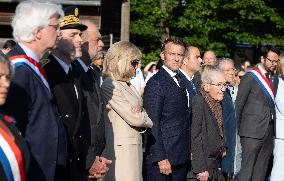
{"x":264,"y":84}
{"x":33,"y":64}
{"x":11,"y":158}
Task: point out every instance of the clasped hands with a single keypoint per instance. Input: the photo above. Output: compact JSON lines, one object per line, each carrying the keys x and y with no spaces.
{"x":99,"y":167}
{"x":203,"y":176}
{"x":165,"y":167}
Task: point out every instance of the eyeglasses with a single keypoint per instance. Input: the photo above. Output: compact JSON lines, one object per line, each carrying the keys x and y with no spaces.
{"x":272,"y":61}
{"x":220,"y":85}
{"x":135,"y":62}
{"x":56,"y":27}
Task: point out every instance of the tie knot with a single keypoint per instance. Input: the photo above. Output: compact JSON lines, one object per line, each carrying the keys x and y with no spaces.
{"x":267,"y":75}
{"x":177,"y":76}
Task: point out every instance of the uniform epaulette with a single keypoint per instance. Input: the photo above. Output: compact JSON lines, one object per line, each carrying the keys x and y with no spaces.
{"x":43,"y":62}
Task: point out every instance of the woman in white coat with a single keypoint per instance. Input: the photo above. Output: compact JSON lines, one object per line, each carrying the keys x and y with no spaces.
{"x":125,"y":118}
{"x":277,"y":173}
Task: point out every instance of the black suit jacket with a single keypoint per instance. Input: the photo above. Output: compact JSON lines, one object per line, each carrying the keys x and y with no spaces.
{"x":167,"y":106}
{"x":74,"y":114}
{"x":253,"y":109}
{"x":205,"y":138}
{"x":94,"y":107}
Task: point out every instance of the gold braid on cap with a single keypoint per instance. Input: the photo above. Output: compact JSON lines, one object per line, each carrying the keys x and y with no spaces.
{"x":68,"y":20}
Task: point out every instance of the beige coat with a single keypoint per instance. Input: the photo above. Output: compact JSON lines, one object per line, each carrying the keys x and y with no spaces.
{"x":123,"y":130}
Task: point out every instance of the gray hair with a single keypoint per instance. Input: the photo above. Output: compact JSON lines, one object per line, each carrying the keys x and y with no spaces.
{"x":209,"y":71}
{"x":221,"y":61}
{"x":31,"y":15}
{"x":4,"y":59}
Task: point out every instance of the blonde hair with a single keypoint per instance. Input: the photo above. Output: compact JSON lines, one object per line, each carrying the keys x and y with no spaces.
{"x":117,"y":63}
{"x":280,"y":65}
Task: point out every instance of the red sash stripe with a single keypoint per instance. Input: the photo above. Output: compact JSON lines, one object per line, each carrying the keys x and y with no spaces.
{"x":34,"y":62}
{"x":16,"y":151}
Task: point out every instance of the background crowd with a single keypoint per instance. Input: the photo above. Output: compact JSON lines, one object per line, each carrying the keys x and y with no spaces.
{"x":70,"y":111}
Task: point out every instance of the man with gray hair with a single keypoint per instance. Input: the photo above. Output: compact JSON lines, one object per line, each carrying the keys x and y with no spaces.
{"x":30,"y":101}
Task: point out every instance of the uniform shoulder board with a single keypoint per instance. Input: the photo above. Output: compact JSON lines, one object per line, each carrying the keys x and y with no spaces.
{"x":44,"y":61}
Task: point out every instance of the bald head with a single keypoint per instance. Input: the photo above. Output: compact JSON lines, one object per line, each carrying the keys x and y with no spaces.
{"x":209,"y":58}
{"x":92,"y":40}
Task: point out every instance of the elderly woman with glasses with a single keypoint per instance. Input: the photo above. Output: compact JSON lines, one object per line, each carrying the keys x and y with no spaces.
{"x":125,"y":118}
{"x":207,"y":131}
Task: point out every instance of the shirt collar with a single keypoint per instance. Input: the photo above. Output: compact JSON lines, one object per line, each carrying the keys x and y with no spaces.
{"x":172,"y":73}
{"x":84,"y":66}
{"x":64,"y":65}
{"x":29,"y":52}
{"x":262,"y":70}
{"x":185,"y":74}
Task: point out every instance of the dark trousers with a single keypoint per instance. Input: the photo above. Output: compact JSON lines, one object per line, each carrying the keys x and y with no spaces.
{"x":255,"y":156}
{"x":152,"y":173}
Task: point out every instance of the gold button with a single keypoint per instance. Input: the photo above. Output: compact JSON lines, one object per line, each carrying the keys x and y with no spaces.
{"x":67,"y":116}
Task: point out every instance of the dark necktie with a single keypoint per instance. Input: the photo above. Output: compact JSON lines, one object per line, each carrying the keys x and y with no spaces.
{"x":90,"y":74}
{"x":70,"y":74}
{"x":193,"y":87}
{"x":180,"y":83}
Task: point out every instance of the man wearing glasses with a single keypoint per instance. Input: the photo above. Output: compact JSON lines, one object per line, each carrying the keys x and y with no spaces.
{"x":256,"y":114}
{"x":30,"y":101}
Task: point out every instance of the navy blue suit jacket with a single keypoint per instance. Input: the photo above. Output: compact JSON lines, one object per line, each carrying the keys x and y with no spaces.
{"x":230,"y":128}
{"x":166,"y":105}
{"x":37,"y":117}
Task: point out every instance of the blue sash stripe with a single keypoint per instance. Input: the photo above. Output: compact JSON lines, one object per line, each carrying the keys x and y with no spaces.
{"x":18,"y":64}
{"x":6,"y":166}
{"x":263,"y":88}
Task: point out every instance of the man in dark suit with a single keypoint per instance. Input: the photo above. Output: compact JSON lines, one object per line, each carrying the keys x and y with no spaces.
{"x":189,"y":69}
{"x":190,"y":66}
{"x":165,"y":101}
{"x":92,"y":43}
{"x":255,"y":116}
{"x":67,"y":87}
{"x":30,"y":100}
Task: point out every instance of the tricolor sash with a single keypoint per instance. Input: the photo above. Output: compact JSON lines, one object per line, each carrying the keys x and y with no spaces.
{"x":19,"y":60}
{"x":11,"y":158}
{"x":264,"y":83}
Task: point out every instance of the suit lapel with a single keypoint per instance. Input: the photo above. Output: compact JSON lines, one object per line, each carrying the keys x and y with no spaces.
{"x":168,"y":77}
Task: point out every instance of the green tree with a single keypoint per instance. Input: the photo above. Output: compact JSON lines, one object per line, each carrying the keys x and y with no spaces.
{"x":210,"y":24}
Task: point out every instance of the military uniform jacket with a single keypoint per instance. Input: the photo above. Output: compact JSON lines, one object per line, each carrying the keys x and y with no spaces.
{"x":71,"y":110}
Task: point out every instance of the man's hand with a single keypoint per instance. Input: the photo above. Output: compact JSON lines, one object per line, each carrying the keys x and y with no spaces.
{"x":99,"y":167}
{"x":165,"y":167}
{"x":203,"y":176}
